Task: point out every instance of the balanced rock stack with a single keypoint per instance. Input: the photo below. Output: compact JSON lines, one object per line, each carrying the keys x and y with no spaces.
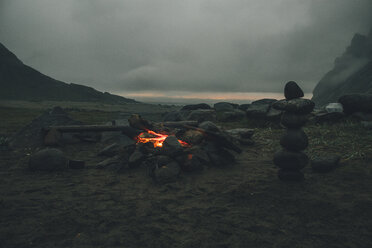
{"x":290,"y":159}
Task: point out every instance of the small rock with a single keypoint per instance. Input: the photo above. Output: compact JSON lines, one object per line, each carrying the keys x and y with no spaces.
{"x":192,"y":137}
{"x":171,"y":146}
{"x":290,"y":175}
{"x":172,"y":141}
{"x":292,"y":91}
{"x":334,"y":107}
{"x":48,"y":160}
{"x":291,"y":120}
{"x":325,"y":164}
{"x":288,"y":160}
{"x":297,"y":106}
{"x":294,"y":140}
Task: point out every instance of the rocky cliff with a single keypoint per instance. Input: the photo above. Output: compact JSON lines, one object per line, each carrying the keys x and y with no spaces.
{"x":352,"y":72}
{"x":21,"y":82}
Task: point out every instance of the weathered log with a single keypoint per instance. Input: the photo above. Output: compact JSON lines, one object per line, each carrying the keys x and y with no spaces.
{"x":129,"y":131}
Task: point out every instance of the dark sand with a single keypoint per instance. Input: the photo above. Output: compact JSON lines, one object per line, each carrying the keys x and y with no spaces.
{"x":241,"y":206}
{"x":244,"y":205}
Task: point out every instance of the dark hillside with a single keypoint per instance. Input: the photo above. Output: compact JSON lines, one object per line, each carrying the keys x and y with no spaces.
{"x":21,"y":82}
{"x":352,"y":72}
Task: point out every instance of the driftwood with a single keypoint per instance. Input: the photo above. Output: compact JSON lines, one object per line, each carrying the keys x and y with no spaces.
{"x":129,"y":131}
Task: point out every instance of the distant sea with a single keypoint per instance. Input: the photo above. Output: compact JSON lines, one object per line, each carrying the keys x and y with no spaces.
{"x":183,"y":98}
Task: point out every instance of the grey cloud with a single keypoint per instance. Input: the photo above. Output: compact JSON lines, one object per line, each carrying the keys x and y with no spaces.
{"x":195,"y":45}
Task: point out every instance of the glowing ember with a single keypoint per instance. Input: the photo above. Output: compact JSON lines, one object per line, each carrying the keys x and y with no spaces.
{"x":156,"y":138}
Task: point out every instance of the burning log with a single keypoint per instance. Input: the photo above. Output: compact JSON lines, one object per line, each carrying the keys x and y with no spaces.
{"x":137,"y":122}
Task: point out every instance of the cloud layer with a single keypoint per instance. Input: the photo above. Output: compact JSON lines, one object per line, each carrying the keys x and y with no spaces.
{"x":194,"y":45}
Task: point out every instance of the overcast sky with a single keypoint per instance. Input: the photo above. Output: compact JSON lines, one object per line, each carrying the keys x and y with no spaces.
{"x":176,"y":45}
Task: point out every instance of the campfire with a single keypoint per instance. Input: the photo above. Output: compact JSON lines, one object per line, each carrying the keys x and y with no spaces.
{"x":156,"y":138}
{"x":168,"y":148}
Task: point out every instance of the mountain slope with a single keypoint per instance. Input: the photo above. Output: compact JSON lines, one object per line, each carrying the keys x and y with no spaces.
{"x":352,"y":72}
{"x":21,"y":82}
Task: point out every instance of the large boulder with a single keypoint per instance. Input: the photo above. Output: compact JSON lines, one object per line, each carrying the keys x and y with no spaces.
{"x":196,"y":106}
{"x":244,"y":106}
{"x":175,"y":115}
{"x":264,"y":101}
{"x":260,"y":108}
{"x":223,"y":106}
{"x":257,"y":110}
{"x":48,"y":160}
{"x":201,"y":115}
{"x":356,"y":103}
{"x":233,"y":115}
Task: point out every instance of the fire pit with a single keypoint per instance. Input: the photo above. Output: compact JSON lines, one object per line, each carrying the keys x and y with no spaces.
{"x":166,"y":151}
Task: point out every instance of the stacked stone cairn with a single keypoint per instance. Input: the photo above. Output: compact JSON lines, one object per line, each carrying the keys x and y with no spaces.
{"x":290,"y":159}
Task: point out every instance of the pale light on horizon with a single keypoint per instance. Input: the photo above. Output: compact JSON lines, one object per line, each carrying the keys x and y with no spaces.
{"x":184,"y":96}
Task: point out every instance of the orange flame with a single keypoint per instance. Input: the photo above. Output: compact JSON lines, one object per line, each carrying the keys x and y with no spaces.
{"x":157,"y":140}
